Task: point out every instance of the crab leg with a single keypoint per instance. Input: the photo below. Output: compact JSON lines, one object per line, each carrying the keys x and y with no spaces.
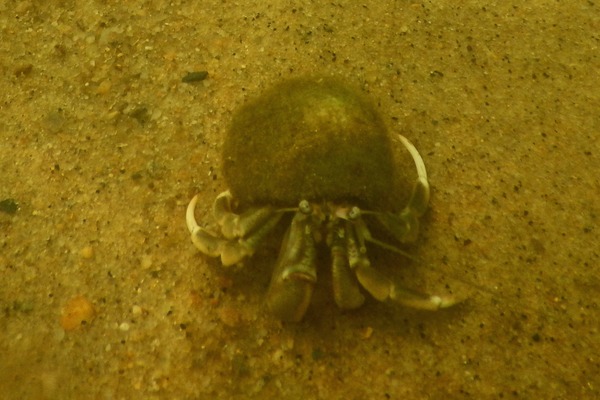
{"x":238,"y":225}
{"x":420,"y":195}
{"x":405,"y":225}
{"x":382,"y":288}
{"x":204,"y":241}
{"x":232,"y":250}
{"x":295,"y":272}
{"x":353,"y":215}
{"x":345,"y":286}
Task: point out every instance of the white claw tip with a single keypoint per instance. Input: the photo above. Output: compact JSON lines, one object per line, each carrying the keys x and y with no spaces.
{"x":442,"y":302}
{"x":421,"y":171}
{"x":190,"y":218}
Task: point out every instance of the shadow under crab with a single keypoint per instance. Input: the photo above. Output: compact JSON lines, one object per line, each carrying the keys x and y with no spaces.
{"x":318,"y":150}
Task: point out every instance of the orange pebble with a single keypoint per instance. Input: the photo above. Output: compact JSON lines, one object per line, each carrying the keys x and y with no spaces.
{"x":76,"y":312}
{"x":367,"y":332}
{"x":87,"y":252}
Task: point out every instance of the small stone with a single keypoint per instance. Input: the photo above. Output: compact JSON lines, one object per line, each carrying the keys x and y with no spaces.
{"x":146,"y":261}
{"x":23,"y":70}
{"x":9,"y":206}
{"x":124,"y":326}
{"x":87,"y":252}
{"x":140,"y":114}
{"x":104,"y":87}
{"x":136,"y":310}
{"x":78,"y":311}
{"x":277,"y":356}
{"x":196,"y":76}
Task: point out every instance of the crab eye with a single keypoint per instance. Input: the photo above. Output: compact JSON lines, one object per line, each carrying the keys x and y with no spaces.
{"x":305,"y":207}
{"x":354,"y":213}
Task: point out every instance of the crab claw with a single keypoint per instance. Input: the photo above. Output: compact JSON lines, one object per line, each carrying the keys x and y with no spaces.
{"x":295,"y":272}
{"x":346,"y":291}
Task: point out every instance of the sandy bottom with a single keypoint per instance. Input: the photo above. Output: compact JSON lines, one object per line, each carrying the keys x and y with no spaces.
{"x":105,"y":137}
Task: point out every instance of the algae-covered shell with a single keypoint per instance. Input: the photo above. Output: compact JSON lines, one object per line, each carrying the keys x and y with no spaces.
{"x":313,"y":139}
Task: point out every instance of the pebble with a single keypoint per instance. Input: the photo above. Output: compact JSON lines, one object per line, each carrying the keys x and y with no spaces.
{"x":367,"y":332}
{"x":87,"y":252}
{"x":76,"y":312}
{"x":195,"y":76}
{"x":146,"y":261}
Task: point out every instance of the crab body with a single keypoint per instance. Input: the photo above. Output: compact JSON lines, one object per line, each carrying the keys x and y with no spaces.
{"x":318,"y":150}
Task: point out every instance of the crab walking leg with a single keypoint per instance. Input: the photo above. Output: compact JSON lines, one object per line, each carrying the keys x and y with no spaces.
{"x":384,"y":289}
{"x":381,"y":287}
{"x":354,"y":214}
{"x":238,"y":225}
{"x":365,"y":236}
{"x":204,"y":241}
{"x":295,"y":272}
{"x":375,"y":283}
{"x":405,"y":225}
{"x":231,"y":251}
{"x":345,"y":287}
{"x":420,"y":196}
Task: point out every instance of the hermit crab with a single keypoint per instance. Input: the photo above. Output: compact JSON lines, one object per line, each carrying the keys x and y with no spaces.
{"x":315,"y":153}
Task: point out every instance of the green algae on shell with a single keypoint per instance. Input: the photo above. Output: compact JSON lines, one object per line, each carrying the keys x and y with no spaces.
{"x":312,"y":139}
